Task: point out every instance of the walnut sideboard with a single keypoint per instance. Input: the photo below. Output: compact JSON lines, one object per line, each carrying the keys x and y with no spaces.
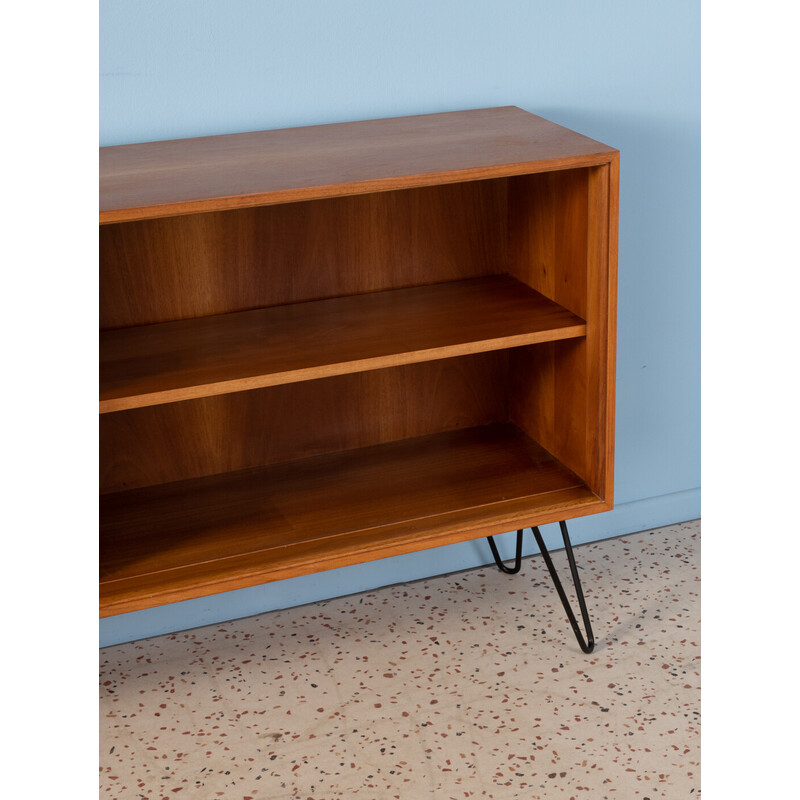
{"x":326,"y":345}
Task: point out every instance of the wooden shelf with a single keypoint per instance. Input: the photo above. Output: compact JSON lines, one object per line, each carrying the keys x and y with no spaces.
{"x":194,"y":358}
{"x":170,"y":542}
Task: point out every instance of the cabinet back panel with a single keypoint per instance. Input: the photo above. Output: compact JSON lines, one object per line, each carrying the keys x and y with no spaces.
{"x":190,"y":266}
{"x":190,"y":439}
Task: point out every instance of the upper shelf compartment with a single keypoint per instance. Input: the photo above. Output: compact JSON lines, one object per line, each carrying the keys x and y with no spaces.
{"x":242,"y":170}
{"x":192,"y":358}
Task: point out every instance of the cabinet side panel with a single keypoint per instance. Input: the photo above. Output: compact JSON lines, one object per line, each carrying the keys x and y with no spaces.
{"x":612,"y":188}
{"x":559,"y":245}
{"x":190,"y":439}
{"x":600,"y":335}
{"x":191,"y":266}
{"x":548,"y":235}
{"x":548,"y":399}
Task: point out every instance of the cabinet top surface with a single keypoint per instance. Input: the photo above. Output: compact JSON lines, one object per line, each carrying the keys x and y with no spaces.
{"x":240,"y":170}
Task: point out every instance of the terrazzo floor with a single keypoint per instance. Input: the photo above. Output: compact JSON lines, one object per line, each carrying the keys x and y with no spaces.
{"x":469,"y":685}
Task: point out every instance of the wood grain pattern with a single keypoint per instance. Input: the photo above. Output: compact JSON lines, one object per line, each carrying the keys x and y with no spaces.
{"x":226,"y":433}
{"x":333,"y":344}
{"x":184,"y":176}
{"x":559,"y":243}
{"x":184,"y":539}
{"x":252,"y":349}
{"x":192,"y":266}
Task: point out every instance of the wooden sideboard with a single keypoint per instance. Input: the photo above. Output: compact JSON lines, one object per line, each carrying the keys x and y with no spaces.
{"x":326,"y":345}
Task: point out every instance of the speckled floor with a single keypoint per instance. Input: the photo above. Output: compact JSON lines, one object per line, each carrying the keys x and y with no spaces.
{"x":467,"y":685}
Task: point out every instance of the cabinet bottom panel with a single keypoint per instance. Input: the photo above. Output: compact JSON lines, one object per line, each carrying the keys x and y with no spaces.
{"x":192,"y":538}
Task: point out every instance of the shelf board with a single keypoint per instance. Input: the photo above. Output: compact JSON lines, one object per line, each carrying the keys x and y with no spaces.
{"x":241,"y":170}
{"x":192,"y":358}
{"x":192,"y":538}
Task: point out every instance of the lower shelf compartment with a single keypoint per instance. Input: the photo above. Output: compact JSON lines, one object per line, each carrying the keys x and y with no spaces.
{"x":193,"y":538}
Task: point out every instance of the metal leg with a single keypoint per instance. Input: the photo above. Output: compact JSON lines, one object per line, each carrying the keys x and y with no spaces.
{"x":517,"y":559}
{"x":587,"y":645}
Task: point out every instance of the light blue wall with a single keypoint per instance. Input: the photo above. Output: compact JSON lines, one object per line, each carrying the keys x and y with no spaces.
{"x":625,"y":72}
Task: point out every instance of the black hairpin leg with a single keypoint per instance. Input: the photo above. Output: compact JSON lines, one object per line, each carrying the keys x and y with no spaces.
{"x":517,"y":559}
{"x":587,"y":645}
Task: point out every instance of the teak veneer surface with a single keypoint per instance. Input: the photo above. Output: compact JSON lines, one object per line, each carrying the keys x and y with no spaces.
{"x":332,"y":344}
{"x":200,"y":357}
{"x":241,"y":430}
{"x":197,"y":265}
{"x":214,"y":173}
{"x":190,"y":538}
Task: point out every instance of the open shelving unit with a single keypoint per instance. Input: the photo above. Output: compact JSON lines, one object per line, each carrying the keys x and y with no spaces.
{"x":322,"y":346}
